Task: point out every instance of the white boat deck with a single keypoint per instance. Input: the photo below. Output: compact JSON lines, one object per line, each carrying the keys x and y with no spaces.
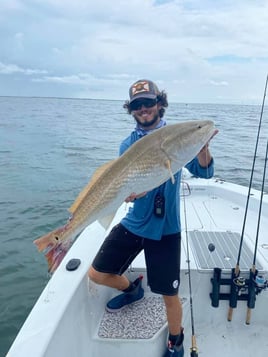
{"x":81,"y":327}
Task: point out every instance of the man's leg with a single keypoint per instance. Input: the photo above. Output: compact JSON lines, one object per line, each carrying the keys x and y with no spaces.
{"x":174,"y":317}
{"x":163,"y":268}
{"x":119,"y":282}
{"x":174,"y":313}
{"x":131,"y":291}
{"x":113,"y":258}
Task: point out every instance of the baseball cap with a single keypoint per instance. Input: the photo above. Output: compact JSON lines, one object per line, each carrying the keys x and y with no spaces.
{"x":143,"y":88}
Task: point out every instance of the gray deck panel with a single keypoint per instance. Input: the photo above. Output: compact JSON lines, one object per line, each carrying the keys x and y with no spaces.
{"x":226,"y":250}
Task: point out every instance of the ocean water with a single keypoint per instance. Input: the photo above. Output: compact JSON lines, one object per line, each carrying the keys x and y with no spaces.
{"x":49,"y":148}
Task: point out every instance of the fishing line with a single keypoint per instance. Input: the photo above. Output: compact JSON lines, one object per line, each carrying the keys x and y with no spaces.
{"x":253,"y":272}
{"x":193,"y":348}
{"x":260,"y":208}
{"x":236,"y":271}
{"x":250,"y":183}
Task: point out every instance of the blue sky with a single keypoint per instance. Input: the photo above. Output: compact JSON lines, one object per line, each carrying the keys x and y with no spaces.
{"x":197,"y":50}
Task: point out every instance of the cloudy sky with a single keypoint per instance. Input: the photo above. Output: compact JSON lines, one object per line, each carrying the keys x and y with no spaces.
{"x":197,"y":50}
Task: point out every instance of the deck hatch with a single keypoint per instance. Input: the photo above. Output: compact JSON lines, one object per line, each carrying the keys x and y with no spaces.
{"x":226,"y":250}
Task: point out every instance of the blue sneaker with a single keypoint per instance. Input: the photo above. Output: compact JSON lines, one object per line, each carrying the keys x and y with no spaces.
{"x":122,"y":300}
{"x":175,"y":350}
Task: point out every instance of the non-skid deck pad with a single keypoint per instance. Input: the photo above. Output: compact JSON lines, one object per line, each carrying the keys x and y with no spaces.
{"x":141,"y":320}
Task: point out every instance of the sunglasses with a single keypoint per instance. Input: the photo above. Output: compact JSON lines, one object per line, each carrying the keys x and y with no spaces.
{"x":145,"y":102}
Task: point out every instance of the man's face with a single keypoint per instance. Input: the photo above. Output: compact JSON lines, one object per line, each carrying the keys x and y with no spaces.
{"x":146,"y":114}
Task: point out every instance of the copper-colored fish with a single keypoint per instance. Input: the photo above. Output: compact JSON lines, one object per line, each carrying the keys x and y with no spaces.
{"x":148,"y":163}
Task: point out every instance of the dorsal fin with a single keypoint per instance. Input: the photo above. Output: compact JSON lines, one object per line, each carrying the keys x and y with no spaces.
{"x":97,"y":174}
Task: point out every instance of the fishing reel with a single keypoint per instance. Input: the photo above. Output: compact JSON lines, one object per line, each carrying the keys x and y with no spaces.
{"x":261,"y":283}
{"x":240,"y":284}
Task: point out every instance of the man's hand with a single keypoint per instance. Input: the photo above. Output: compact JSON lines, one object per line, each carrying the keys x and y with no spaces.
{"x":133,"y":197}
{"x":204,"y":156}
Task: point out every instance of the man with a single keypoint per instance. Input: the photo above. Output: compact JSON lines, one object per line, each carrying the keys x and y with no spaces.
{"x":153,"y":224}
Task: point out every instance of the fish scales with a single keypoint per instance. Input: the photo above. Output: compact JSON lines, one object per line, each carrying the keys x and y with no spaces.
{"x":148,"y":163}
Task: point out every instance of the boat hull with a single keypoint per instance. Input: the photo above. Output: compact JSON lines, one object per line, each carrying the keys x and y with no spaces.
{"x":69,"y":318}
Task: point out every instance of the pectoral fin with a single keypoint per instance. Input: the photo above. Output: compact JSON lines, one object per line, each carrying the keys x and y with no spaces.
{"x":168,"y":166}
{"x":106,"y":221}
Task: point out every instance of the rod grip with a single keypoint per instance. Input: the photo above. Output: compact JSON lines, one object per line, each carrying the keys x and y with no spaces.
{"x":193,"y":349}
{"x":251,"y":294}
{"x":248,"y":316}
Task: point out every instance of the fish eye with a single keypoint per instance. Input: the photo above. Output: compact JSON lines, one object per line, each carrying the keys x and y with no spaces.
{"x":56,"y":237}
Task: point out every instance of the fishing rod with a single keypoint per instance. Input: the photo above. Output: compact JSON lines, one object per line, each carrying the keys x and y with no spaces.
{"x":236,"y":270}
{"x":193,"y":349}
{"x":253,"y":270}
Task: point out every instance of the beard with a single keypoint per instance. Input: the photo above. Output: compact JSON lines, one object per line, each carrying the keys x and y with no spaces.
{"x":148,"y":123}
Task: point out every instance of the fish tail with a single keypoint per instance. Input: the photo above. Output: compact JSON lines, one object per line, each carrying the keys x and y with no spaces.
{"x":44,"y":242}
{"x":49,"y":240}
{"x":55,"y":247}
{"x":55,"y":255}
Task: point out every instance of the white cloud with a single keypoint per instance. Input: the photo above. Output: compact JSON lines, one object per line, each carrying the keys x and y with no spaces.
{"x":13,"y":68}
{"x":19,"y":36}
{"x":197,"y":50}
{"x":83,"y":79}
{"x":218,"y":83}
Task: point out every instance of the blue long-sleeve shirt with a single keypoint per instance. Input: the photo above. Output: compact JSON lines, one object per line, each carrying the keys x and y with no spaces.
{"x":141,"y":219}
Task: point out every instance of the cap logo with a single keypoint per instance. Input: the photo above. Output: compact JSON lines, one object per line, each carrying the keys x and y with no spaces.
{"x":140,"y":87}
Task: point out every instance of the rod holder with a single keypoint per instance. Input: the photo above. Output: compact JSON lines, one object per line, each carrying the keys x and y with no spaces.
{"x":216,"y":283}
